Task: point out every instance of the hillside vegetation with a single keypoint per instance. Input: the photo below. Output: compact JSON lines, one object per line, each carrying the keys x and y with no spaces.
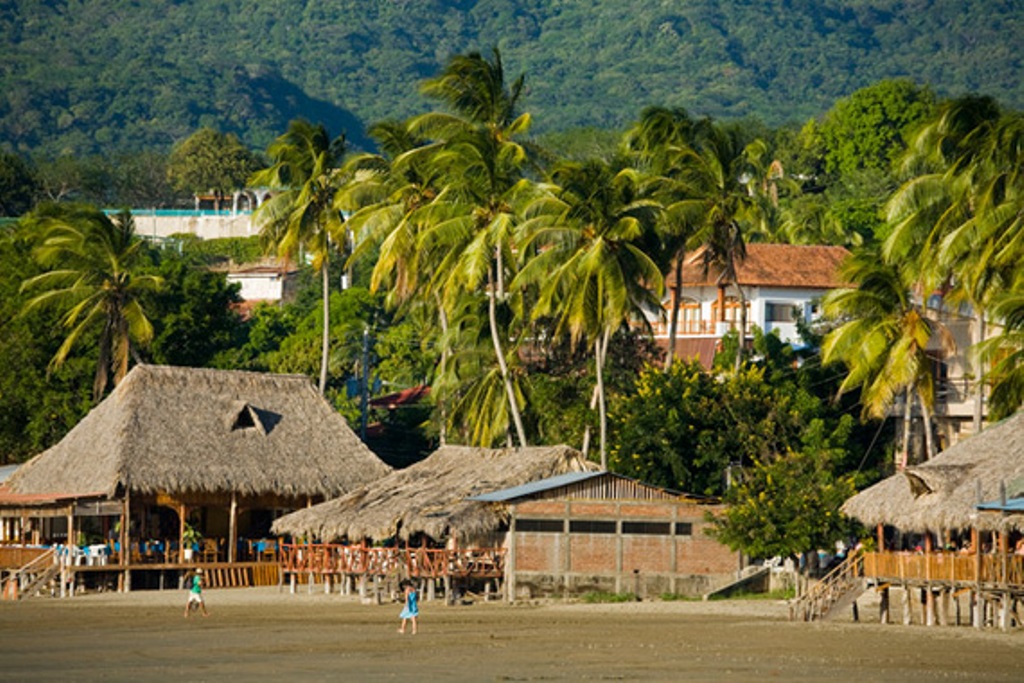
{"x":99,"y":76}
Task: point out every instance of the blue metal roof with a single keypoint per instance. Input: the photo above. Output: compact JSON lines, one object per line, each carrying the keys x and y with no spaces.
{"x":1015,"y":505}
{"x":537,"y":486}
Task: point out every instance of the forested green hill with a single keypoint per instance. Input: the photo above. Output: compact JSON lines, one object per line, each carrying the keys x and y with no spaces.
{"x":86,"y":76}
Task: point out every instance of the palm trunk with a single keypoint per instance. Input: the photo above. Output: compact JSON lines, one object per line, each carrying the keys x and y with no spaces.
{"x":905,"y":455}
{"x":926,"y":419}
{"x":325,"y":341}
{"x":979,"y":373}
{"x":600,"y":349}
{"x":594,"y":396}
{"x":743,"y":324}
{"x":442,"y":432}
{"x":673,"y":324}
{"x":492,"y":314}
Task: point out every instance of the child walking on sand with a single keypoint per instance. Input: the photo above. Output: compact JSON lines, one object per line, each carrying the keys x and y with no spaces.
{"x":411,"y":609}
{"x":195,"y":594}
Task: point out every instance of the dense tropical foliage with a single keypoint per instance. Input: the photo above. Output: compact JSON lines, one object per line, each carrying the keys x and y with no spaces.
{"x":519,"y":284}
{"x":165,"y":68}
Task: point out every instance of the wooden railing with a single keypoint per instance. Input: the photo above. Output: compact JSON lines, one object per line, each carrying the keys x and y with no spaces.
{"x":847,"y":577}
{"x":329,"y":558}
{"x":17,"y":556}
{"x":955,"y":568}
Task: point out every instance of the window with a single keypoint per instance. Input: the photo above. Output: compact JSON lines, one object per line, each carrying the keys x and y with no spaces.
{"x":775,"y":312}
{"x":684,"y":529}
{"x":591,"y":526}
{"x":650,"y":528}
{"x":550,"y":526}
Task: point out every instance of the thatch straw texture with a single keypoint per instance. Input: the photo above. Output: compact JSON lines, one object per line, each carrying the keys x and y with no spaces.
{"x":943,"y":493}
{"x":186,"y":429}
{"x":430,"y":496}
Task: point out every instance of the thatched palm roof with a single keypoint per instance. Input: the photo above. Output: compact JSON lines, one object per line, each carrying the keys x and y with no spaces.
{"x":186,"y":429}
{"x":430,"y":496}
{"x":944,"y":492}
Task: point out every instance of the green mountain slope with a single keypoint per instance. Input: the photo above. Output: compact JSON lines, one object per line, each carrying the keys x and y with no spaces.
{"x":83,"y":76}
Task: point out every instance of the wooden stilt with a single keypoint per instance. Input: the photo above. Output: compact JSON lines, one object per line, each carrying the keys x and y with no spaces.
{"x":907,"y":611}
{"x":883,"y":606}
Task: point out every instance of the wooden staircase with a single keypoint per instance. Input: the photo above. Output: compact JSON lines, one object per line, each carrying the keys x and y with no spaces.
{"x":26,"y":581}
{"x":838,"y":589}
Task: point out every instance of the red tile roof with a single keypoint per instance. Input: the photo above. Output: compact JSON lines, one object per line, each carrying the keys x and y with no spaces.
{"x":774,"y":265}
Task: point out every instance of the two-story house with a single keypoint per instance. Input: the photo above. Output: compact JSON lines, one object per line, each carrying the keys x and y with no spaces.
{"x":781,"y":284}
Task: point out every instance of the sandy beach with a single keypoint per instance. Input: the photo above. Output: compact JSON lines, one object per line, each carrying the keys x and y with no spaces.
{"x":265,"y":635}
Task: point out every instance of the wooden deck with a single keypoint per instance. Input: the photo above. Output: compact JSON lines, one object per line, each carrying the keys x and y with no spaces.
{"x":361,"y":560}
{"x":989,"y":571}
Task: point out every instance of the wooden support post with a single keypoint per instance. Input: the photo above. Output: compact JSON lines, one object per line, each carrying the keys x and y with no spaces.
{"x":448,"y":597}
{"x":907,"y":611}
{"x":233,"y":528}
{"x":1004,"y":611}
{"x":431,"y":588}
{"x":293,"y":579}
{"x":883,"y":606}
{"x":362,"y":587}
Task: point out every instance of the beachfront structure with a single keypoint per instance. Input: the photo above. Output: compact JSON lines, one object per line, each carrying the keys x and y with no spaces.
{"x":477,"y":515}
{"x":599,"y":531}
{"x":174,"y":449}
{"x":781,"y":284}
{"x":433,"y":498}
{"x":939,"y":532}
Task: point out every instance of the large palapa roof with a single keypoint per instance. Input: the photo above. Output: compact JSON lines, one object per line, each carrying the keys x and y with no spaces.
{"x":431,"y":496}
{"x":944,"y":492}
{"x":178,"y":429}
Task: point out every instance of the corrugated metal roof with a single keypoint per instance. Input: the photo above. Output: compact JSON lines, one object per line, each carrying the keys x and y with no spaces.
{"x":537,"y":486}
{"x":1015,"y":505}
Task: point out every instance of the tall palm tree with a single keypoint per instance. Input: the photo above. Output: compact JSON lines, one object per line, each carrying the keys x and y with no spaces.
{"x":303,"y":216}
{"x":472,"y":220}
{"x":656,"y":141}
{"x":589,"y":273}
{"x":723,"y":178}
{"x":949,"y":220}
{"x":882,"y":339}
{"x":95,"y":278}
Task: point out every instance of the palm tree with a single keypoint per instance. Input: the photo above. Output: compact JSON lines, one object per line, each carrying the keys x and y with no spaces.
{"x":723,"y":178}
{"x":303,"y":215}
{"x":589,"y":273}
{"x":389,"y":198}
{"x":950,"y":221}
{"x":472,"y":220}
{"x":882,"y":339}
{"x":656,"y":141}
{"x":94,"y":278}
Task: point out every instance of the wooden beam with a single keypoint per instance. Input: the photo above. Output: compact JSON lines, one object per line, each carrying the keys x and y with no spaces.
{"x":233,"y":528}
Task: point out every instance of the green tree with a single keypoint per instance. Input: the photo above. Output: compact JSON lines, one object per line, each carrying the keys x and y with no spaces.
{"x":303,"y":215}
{"x":657,"y":140}
{"x":591,"y":276}
{"x":786,"y":506}
{"x":882,"y":339}
{"x":210,"y":161}
{"x":472,"y":223}
{"x":723,"y":178}
{"x":869,"y":129}
{"x":95,"y":280}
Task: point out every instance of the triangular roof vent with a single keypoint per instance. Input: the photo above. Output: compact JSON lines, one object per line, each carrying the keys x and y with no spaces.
{"x":246,"y":416}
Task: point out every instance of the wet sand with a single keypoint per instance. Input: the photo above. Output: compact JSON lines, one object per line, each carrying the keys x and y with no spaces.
{"x":264,"y":635}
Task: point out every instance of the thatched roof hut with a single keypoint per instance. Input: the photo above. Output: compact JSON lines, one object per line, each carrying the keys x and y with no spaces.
{"x":944,"y":492}
{"x":430,"y":497}
{"x":178,"y":429}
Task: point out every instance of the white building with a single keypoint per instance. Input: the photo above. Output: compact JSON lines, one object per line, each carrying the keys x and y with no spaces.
{"x":781,"y":285}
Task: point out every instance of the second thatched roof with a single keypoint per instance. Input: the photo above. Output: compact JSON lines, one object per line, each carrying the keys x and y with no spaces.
{"x":944,"y":492}
{"x":431,"y":496}
{"x":178,"y":429}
